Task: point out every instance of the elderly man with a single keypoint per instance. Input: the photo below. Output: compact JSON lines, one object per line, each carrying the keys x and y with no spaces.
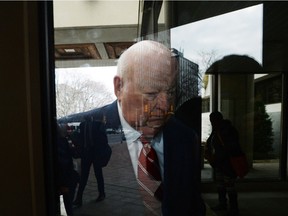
{"x":168,"y":172}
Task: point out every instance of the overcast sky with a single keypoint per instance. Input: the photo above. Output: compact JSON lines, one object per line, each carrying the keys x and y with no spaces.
{"x":238,"y":32}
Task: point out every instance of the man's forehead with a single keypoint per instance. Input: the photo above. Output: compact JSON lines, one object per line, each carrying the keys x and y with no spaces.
{"x":149,"y":81}
{"x":152,"y":60}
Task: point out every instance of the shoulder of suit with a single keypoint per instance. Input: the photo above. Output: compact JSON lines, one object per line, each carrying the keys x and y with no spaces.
{"x":175,"y":124}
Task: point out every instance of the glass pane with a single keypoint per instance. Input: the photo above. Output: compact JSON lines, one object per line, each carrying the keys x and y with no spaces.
{"x":89,"y":38}
{"x":256,"y":114}
{"x":238,"y":33}
{"x":87,"y":49}
{"x":267,"y":124}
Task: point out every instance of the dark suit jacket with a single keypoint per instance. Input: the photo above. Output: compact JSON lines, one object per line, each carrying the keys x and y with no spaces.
{"x":182,"y":168}
{"x":94,"y":142}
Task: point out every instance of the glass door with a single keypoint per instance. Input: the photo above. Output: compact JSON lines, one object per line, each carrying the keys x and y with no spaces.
{"x":253,"y":104}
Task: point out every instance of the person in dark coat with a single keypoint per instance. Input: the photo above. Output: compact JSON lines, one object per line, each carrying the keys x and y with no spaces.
{"x":223,"y":143}
{"x":94,"y":151}
{"x":67,"y":176}
{"x":145,"y":87}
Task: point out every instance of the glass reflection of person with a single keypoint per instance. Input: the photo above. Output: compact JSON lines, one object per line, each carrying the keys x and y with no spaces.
{"x":222,"y":143}
{"x":145,"y":90}
{"x":145,"y":86}
{"x":94,"y":151}
{"x":224,"y":140}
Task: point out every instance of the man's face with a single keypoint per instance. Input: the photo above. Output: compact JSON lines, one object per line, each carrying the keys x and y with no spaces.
{"x":147,"y":98}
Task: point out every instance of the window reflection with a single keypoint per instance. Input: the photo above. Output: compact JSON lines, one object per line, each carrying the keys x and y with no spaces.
{"x":198,"y":45}
{"x":241,"y":35}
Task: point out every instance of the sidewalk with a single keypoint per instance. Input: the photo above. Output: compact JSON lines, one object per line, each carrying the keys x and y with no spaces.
{"x":120,"y":201}
{"x":121,"y":188}
{"x":256,"y":203}
{"x":122,"y":198}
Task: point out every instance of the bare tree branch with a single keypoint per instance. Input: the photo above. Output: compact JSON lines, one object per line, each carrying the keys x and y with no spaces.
{"x":79,"y":95}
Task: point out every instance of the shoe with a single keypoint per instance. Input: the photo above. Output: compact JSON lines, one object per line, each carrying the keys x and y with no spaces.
{"x":77,"y":203}
{"x":100,"y":198}
{"x":219,"y":207}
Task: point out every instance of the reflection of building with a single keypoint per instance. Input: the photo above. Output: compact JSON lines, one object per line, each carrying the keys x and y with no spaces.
{"x":188,"y":101}
{"x":188,"y":79}
{"x":264,"y":88}
{"x":92,"y":33}
{"x":268,"y":90}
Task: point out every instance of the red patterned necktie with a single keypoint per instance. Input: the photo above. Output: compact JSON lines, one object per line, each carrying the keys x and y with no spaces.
{"x":149,"y":177}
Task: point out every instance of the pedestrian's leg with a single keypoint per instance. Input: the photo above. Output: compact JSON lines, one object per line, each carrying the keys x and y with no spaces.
{"x":75,"y":179}
{"x":100,"y":182}
{"x":58,"y":207}
{"x":85,"y":168}
{"x":222,"y":200}
{"x":67,"y":199}
{"x":233,"y":199}
{"x":221,"y":191}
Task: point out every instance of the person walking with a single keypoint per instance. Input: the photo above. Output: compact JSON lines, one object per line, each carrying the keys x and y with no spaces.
{"x":223,"y":143}
{"x":94,"y":151}
{"x":145,"y":87}
{"x":67,"y":176}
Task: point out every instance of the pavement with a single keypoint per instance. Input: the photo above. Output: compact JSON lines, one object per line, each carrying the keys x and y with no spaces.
{"x":122,"y":198}
{"x":256,"y":203}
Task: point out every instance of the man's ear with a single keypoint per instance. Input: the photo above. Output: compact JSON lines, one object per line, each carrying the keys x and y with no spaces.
{"x":117,"y":86}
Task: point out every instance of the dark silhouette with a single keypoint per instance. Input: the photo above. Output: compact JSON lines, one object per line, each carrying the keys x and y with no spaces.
{"x":94,"y":150}
{"x":221,"y":145}
{"x":190,"y":113}
{"x":67,"y":176}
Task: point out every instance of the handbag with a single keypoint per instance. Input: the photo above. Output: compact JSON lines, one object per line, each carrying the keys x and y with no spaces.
{"x":239,"y":162}
{"x":240,"y":165}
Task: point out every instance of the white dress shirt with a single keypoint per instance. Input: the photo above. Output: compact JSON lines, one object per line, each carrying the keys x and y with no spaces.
{"x":134,"y":145}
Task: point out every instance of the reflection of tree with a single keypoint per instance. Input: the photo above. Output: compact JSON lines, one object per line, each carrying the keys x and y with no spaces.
{"x":263,"y":133}
{"x":191,"y":77}
{"x":78,"y":95}
{"x":207,"y":59}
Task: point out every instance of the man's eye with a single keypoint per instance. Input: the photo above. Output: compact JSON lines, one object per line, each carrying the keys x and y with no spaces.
{"x":150,"y":96}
